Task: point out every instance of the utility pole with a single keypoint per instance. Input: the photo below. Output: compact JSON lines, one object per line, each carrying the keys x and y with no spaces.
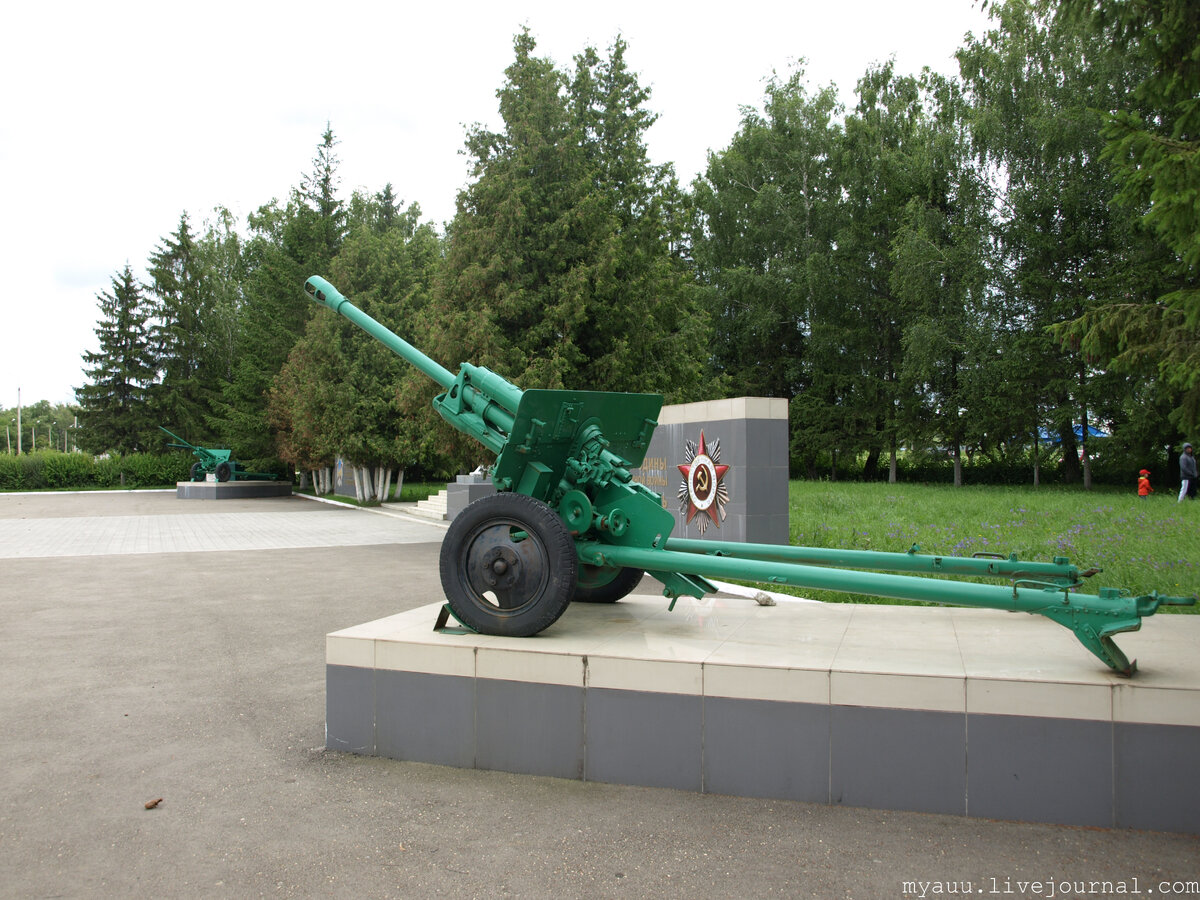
{"x":18,"y":421}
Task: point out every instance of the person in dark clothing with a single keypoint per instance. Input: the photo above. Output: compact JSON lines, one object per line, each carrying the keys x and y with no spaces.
{"x":1187,"y":472}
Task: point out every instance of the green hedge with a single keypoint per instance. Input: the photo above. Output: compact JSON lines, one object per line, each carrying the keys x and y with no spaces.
{"x":53,"y":470}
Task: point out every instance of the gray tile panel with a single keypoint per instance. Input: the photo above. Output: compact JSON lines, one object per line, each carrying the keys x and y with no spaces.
{"x":350,"y":709}
{"x":764,"y":748}
{"x":425,"y":718}
{"x":1155,"y":773}
{"x":1040,"y":769}
{"x":530,"y":729}
{"x":898,"y":759}
{"x":642,"y":738}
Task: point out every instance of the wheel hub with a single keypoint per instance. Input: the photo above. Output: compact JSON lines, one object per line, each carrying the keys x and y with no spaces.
{"x":501,"y":567}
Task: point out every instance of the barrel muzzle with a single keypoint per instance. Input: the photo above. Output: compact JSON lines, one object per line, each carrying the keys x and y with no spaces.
{"x":323,"y":292}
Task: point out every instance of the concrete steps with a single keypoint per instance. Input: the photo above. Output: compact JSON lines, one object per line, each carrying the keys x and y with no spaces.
{"x":433,"y":508}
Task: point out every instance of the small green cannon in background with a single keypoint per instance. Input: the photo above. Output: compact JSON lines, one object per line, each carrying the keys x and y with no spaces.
{"x":215,"y":462}
{"x":570,"y":523}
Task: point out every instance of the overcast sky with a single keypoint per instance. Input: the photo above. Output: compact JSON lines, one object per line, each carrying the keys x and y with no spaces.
{"x":116,"y":117}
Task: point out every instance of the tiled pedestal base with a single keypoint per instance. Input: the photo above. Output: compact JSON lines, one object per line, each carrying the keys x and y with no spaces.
{"x":961,"y":711}
{"x":231,"y":490}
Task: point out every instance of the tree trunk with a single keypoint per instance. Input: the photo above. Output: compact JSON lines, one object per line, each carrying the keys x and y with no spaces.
{"x":892,"y":463}
{"x":399,"y":483}
{"x":1037,"y":474}
{"x":957,"y":465}
{"x":1083,"y":453}
{"x":871,"y":466}
{"x":1070,"y":461}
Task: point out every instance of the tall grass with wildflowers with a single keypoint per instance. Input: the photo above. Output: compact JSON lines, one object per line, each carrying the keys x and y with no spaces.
{"x":1141,"y":545}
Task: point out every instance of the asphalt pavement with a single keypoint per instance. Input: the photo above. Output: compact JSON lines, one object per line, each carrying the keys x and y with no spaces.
{"x":166,"y":653}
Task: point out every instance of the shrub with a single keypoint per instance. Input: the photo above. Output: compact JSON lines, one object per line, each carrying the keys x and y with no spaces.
{"x":12,"y":473}
{"x":54,"y":470}
{"x":67,"y":470}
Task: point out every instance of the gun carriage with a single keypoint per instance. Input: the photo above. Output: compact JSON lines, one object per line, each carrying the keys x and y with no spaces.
{"x":218,"y":463}
{"x":569,"y":522}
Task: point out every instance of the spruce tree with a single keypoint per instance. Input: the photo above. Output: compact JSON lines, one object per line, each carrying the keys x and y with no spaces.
{"x":286,"y":245}
{"x":113,"y":413}
{"x":183,"y":312}
{"x":559,"y":269}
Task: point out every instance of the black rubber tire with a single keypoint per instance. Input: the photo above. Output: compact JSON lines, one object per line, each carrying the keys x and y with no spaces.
{"x":223,"y":471}
{"x":517,"y":550}
{"x":597,"y":586}
{"x":197,"y":471}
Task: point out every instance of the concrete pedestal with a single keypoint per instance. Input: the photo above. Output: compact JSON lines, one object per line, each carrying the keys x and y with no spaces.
{"x":231,"y":490}
{"x":743,"y":494}
{"x":961,"y":711}
{"x":464,"y":491}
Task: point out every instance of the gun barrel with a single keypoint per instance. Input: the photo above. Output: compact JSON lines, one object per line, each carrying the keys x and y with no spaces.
{"x":327,"y":295}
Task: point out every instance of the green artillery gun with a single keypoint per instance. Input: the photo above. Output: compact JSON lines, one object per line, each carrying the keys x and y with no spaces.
{"x":570,"y":523}
{"x":215,"y":462}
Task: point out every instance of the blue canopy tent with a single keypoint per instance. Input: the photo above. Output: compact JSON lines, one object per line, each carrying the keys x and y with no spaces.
{"x":1055,"y":438}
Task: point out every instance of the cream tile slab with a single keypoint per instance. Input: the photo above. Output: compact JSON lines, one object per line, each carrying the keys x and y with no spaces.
{"x":690,"y":632}
{"x":1156,"y":706}
{"x":804,"y":637}
{"x":651,"y":675}
{"x":1057,"y":700}
{"x":999,"y":645}
{"x":539,"y":668}
{"x":760,"y":408}
{"x":1167,"y":651}
{"x":349,"y":651}
{"x":682,"y":413}
{"x":882,"y":639}
{"x":719,"y":410}
{"x":431,"y":659}
{"x":892,"y":691}
{"x":377,"y":628}
{"x":676,"y":643}
{"x":766,"y":683}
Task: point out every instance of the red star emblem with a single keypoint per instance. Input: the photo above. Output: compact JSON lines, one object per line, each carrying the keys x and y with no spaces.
{"x":702,"y":490}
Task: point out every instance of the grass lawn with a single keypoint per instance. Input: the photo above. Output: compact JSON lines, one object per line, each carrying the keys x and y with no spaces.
{"x":409,"y":493}
{"x":1142,"y":545}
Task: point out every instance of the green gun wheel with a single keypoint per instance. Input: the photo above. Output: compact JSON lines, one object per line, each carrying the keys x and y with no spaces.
{"x":508,"y":565}
{"x":603,"y":584}
{"x":197,"y":471}
{"x":223,"y":471}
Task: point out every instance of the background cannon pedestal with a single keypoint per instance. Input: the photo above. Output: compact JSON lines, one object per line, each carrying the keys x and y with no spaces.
{"x":231,"y":490}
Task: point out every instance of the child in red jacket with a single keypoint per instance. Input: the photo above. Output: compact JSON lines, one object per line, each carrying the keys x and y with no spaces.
{"x":1144,"y":489}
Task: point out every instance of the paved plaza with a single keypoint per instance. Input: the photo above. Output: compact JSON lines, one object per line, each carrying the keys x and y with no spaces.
{"x":154,"y":648}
